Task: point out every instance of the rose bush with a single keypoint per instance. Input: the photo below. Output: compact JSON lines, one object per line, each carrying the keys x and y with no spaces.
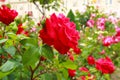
{"x":49,"y":49}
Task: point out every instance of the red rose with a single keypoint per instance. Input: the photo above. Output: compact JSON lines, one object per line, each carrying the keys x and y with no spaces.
{"x":71,"y":72}
{"x":107,"y":41}
{"x":21,"y":30}
{"x":60,"y":33}
{"x":91,"y":60}
{"x":7,"y":15}
{"x":105,"y":65}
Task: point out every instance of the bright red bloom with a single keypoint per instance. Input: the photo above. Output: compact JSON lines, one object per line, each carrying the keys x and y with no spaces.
{"x":60,"y":33}
{"x":105,"y":65}
{"x":71,"y":72}
{"x":91,"y":60}
{"x":7,"y":15}
{"x":21,"y":30}
{"x":107,"y":41}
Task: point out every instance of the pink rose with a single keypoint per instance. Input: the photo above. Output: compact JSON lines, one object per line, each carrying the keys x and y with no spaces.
{"x":71,"y":72}
{"x":90,"y":23}
{"x":33,"y":29}
{"x":100,"y":37}
{"x":105,"y":65}
{"x":60,"y":33}
{"x":107,"y":41}
{"x":117,"y":31}
{"x":112,"y":19}
{"x":83,"y":69}
{"x":101,"y":23}
{"x":7,"y":15}
{"x":117,"y":35}
{"x":93,"y":16}
{"x":91,"y":60}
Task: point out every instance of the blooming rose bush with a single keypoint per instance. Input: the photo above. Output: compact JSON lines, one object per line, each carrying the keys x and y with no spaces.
{"x":81,"y":46}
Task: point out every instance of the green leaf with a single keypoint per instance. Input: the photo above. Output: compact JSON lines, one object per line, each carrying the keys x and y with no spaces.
{"x":8,"y":68}
{"x":47,"y":51}
{"x":9,"y":65}
{"x":29,"y":42}
{"x":31,"y":56}
{"x":59,"y":76}
{"x":3,"y":40}
{"x":71,"y":16}
{"x":12,"y":35}
{"x":3,"y":74}
{"x":65,"y":73}
{"x":9,"y":43}
{"x":69,"y":64}
{"x":11,"y":50}
{"x":49,"y":76}
{"x":1,"y":50}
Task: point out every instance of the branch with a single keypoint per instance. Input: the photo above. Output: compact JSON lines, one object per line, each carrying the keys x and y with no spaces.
{"x":33,"y":70}
{"x":38,"y":8}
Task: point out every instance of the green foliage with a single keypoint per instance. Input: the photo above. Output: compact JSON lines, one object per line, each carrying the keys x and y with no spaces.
{"x":8,"y":68}
{"x":27,"y":57}
{"x":69,"y":65}
{"x":47,"y":51}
